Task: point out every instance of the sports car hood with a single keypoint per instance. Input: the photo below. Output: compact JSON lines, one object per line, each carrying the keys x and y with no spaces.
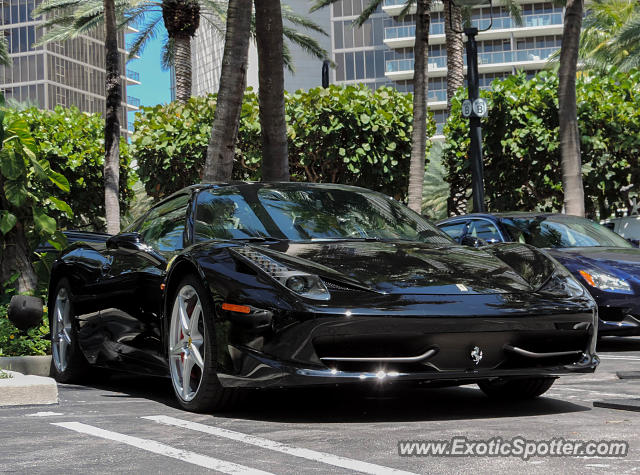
{"x":401,"y":267}
{"x":613,"y":259}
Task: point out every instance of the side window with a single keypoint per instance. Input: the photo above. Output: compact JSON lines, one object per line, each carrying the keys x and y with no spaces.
{"x":484,"y":230}
{"x":163,"y":228}
{"x":225,"y":215}
{"x":454,"y":230}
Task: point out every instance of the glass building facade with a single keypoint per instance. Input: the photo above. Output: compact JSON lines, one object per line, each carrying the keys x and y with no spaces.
{"x":380,"y":53}
{"x":69,"y":73}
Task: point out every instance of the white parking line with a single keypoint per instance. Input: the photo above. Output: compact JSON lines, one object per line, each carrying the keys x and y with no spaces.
{"x":162,"y":449}
{"x":329,"y":459}
{"x":619,"y":357}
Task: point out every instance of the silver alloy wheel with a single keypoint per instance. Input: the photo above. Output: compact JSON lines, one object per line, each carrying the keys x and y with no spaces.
{"x":61,"y":331}
{"x":186,"y":343}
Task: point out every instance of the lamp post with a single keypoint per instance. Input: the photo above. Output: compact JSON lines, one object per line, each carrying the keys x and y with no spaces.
{"x":474,"y":107}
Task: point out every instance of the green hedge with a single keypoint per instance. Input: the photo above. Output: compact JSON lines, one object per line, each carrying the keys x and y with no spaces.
{"x":340,"y":134}
{"x":73,"y":143}
{"x":522,"y":151}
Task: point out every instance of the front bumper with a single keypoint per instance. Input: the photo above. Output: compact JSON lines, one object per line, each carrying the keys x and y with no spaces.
{"x":384,"y":349}
{"x":268,"y":373}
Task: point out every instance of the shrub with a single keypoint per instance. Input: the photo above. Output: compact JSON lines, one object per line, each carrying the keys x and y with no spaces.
{"x":521,"y":146}
{"x":340,"y":134}
{"x":73,"y":143}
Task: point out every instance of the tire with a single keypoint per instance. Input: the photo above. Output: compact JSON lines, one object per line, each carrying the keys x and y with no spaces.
{"x":516,"y":389}
{"x":192,"y":350}
{"x":68,"y":364}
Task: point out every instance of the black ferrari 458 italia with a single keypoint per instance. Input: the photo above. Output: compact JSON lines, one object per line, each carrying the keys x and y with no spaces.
{"x":223,"y":287}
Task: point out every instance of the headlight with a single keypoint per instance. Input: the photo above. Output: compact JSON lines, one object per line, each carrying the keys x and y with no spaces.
{"x":562,"y":283}
{"x":301,"y":283}
{"x":607,"y":282}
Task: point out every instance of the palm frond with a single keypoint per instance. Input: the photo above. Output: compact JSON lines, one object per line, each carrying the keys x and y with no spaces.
{"x":321,"y":4}
{"x":367,"y":12}
{"x":168,"y":53}
{"x":148,"y":32}
{"x":306,"y":42}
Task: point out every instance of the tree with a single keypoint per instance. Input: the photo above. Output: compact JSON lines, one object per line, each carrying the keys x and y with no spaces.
{"x":455,"y":50}
{"x":269,"y":30}
{"x":611,"y":35}
{"x":567,"y":111}
{"x":420,"y":85}
{"x":181,"y":19}
{"x":24,"y":205}
{"x":222,"y":145}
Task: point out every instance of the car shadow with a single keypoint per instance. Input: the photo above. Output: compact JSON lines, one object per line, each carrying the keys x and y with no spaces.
{"x":349,"y":404}
{"x":355,"y":405}
{"x":619,"y":343}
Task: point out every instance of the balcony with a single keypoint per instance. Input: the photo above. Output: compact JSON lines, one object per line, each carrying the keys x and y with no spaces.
{"x":133,"y":76}
{"x":532,"y":25}
{"x":404,"y":36}
{"x":535,"y":58}
{"x":133,"y":102}
{"x":400,"y":69}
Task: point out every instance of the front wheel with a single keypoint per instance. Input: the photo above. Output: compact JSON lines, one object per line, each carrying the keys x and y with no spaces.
{"x":192,"y":360}
{"x":68,"y":364}
{"x":516,"y":389}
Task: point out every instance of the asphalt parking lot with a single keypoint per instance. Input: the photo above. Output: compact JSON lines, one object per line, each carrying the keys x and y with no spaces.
{"x":131,"y":424}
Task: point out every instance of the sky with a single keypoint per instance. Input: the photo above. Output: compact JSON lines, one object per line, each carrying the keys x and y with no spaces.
{"x":155,"y":82}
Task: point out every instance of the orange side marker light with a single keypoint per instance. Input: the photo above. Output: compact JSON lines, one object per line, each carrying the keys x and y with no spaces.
{"x":236,"y":308}
{"x":588,"y":278}
{"x":162,"y":286}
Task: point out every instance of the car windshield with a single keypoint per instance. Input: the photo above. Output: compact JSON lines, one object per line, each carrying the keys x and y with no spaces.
{"x":306,"y":213}
{"x":561,"y":231}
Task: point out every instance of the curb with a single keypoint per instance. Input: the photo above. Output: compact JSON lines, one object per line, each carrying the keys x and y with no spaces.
{"x":620,"y":404}
{"x":21,"y":390}
{"x":33,"y":365}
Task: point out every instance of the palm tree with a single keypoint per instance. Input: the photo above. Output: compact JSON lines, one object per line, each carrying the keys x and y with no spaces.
{"x":420,"y":85}
{"x":226,"y":118}
{"x":567,"y":111}
{"x":112,"y":120}
{"x":455,"y":50}
{"x":611,"y":35}
{"x":221,"y":149}
{"x":269,"y":31}
{"x":181,"y":18}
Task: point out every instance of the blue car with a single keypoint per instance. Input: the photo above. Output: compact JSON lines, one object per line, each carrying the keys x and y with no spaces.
{"x":604,"y":262}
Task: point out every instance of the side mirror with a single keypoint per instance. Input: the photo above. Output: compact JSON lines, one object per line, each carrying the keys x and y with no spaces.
{"x":131,"y":241}
{"x":473,"y":242}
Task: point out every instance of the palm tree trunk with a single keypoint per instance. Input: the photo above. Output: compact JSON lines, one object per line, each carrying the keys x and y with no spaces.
{"x":112,"y":120}
{"x":15,"y":252}
{"x":221,"y":150}
{"x":275,"y":157}
{"x":455,"y":48}
{"x":182,"y":65}
{"x":567,"y":113}
{"x":420,"y":85}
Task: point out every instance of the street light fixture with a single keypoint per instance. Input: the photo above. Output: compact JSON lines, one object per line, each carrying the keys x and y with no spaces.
{"x":474,"y":107}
